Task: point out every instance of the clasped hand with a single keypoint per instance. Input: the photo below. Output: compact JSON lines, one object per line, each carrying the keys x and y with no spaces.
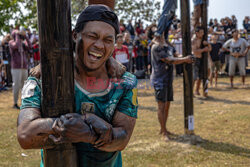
{"x":88,"y":128}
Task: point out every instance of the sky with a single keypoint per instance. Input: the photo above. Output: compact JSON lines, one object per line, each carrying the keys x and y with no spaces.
{"x":222,"y":8}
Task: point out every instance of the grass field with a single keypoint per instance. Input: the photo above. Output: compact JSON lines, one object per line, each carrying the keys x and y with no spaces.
{"x":222,"y":121}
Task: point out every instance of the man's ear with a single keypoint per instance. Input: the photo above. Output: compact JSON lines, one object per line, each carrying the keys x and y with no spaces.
{"x":74,"y":36}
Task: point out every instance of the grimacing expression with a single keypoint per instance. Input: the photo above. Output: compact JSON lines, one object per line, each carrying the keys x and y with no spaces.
{"x":98,"y":44}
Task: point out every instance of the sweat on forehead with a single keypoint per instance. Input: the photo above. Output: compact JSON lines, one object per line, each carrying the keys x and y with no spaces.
{"x":97,"y":13}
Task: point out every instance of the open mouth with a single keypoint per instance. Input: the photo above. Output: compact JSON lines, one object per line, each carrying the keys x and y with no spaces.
{"x":94,"y":56}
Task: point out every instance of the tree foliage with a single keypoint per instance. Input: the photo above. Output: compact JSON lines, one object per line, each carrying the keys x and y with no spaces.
{"x":76,"y":7}
{"x":147,"y":10}
{"x":24,"y":12}
{"x":9,"y":9}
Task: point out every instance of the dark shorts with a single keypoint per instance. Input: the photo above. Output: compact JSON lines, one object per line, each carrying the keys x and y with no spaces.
{"x":165,"y":94}
{"x":222,"y":57}
{"x":198,"y":69}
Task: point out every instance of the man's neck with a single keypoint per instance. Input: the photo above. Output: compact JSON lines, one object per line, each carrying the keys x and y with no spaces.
{"x":236,"y":38}
{"x":199,"y":38}
{"x":119,"y":46}
{"x":89,"y":80}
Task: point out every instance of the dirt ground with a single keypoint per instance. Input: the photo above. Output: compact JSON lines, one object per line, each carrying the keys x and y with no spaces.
{"x":222,"y":121}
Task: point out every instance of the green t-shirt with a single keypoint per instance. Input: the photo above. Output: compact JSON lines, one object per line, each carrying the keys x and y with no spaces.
{"x":121,"y":96}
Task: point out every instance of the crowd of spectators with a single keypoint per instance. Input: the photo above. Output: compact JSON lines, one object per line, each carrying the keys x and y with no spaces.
{"x":133,"y":48}
{"x":19,"y":52}
{"x":138,"y":40}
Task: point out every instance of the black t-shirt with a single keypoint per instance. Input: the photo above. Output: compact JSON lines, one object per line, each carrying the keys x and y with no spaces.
{"x":215,"y":51}
{"x":162,"y":73}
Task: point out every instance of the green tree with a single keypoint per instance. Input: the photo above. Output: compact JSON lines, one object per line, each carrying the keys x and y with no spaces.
{"x":76,"y":7}
{"x":9,"y":9}
{"x":24,"y":12}
{"x":147,"y":10}
{"x":28,"y":16}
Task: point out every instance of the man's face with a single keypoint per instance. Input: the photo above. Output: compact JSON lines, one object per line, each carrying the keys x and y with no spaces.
{"x":119,"y":40}
{"x":236,"y":34}
{"x":98,"y":44}
{"x":200,"y":33}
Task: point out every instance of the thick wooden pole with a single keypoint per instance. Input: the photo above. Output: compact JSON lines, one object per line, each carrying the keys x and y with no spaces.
{"x":187,"y":68}
{"x":205,"y":54}
{"x":54,"y":19}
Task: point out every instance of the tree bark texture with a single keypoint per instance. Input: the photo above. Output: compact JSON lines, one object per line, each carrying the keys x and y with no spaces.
{"x":187,"y":68}
{"x":204,"y":54}
{"x":54,"y":19}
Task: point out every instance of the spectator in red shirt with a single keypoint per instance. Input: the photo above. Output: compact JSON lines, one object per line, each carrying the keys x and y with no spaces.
{"x":121,"y":53}
{"x":36,"y":52}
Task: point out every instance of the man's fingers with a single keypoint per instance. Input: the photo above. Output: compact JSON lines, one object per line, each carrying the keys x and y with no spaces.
{"x":58,"y":127}
{"x":72,"y":115}
{"x":59,"y":130}
{"x":58,"y":140}
{"x":55,"y":123}
{"x":99,"y":145}
{"x":103,"y":139}
{"x":63,"y":119}
{"x":100,"y":142}
{"x":59,"y":123}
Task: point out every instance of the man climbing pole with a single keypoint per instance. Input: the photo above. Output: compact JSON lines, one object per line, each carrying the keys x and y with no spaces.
{"x":166,"y":18}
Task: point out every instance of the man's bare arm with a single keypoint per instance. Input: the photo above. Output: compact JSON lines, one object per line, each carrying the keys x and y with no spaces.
{"x":225,"y":49}
{"x":123,"y":126}
{"x":209,"y":47}
{"x":177,"y":60}
{"x":32,"y":130}
{"x":246,"y":51}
